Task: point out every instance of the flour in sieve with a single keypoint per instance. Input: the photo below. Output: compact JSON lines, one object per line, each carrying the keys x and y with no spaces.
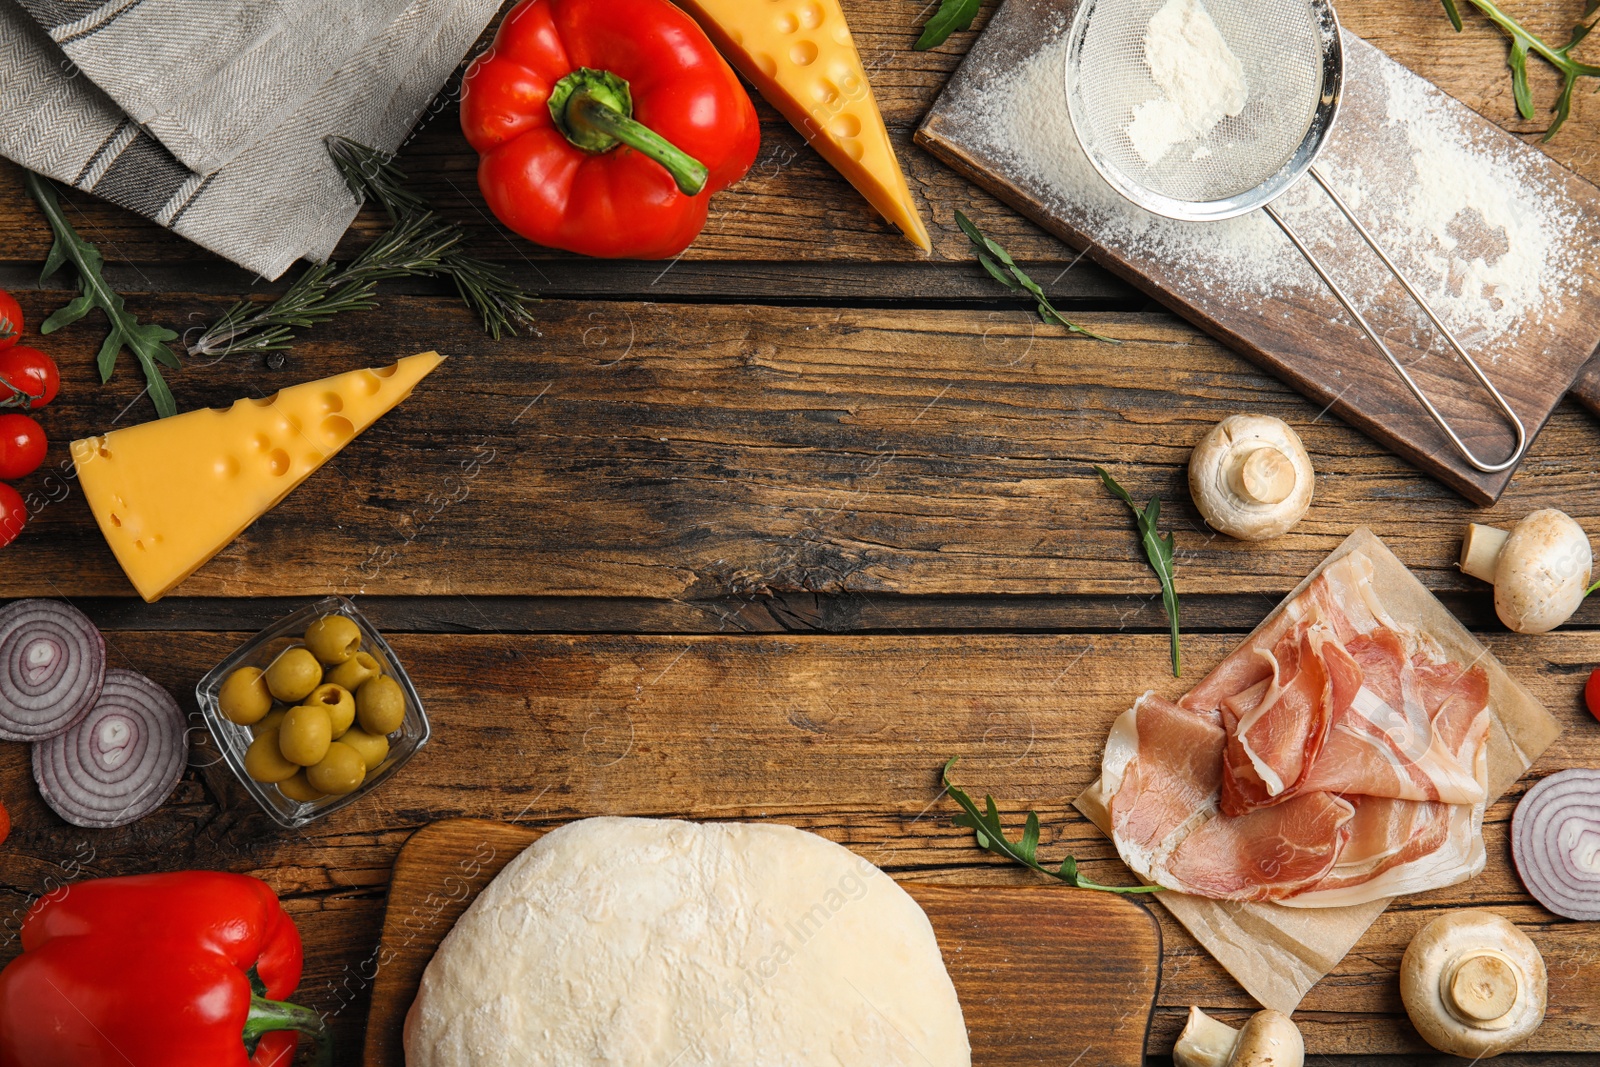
{"x":1201,"y":80}
{"x":1431,"y":189}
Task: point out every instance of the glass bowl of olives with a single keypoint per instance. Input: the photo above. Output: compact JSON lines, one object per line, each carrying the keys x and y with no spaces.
{"x":313,"y":712}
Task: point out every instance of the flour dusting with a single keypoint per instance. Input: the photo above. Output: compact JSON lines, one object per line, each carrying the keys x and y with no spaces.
{"x":1479,"y":226}
{"x":1201,"y":81}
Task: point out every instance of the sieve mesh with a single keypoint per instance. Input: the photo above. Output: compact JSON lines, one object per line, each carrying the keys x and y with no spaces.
{"x":1278,"y":43}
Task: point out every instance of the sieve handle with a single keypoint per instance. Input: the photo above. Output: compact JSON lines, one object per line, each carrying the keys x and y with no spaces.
{"x":1411,"y":383}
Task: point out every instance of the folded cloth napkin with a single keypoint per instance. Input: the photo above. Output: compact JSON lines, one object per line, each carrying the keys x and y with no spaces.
{"x":278,"y":200}
{"x":209,"y":78}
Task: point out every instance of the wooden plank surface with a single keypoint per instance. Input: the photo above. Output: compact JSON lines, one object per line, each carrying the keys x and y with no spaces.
{"x":850,"y":464}
{"x":841,"y":735}
{"x":688,"y":452}
{"x":1028,"y":993}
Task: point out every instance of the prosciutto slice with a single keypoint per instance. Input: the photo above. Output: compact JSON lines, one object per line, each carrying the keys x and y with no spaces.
{"x":1336,"y":757}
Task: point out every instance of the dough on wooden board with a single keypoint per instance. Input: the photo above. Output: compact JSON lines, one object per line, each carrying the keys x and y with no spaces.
{"x":650,"y":942}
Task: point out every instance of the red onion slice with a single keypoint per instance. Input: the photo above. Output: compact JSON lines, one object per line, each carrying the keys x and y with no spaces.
{"x":52,"y":664}
{"x":1555,"y":841}
{"x":122,"y":761}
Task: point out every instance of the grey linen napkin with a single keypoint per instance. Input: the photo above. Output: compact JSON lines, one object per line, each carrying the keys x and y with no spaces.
{"x":209,"y":78}
{"x":278,"y":200}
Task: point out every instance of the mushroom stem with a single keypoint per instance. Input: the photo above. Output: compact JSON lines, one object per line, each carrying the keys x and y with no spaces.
{"x":1268,"y":1039}
{"x":1480,"y":989}
{"x":1265,"y":476}
{"x":1480,"y":550}
{"x":1205,"y":1042}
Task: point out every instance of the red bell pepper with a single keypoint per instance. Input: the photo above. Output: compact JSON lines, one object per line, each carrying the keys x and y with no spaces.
{"x":604,"y":126}
{"x":161,"y":970}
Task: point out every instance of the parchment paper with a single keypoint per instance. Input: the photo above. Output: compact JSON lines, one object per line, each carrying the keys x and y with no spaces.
{"x":1278,"y":953}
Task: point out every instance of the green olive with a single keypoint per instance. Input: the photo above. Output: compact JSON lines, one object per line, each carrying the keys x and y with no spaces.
{"x":293,"y":675}
{"x":340,"y":771}
{"x":380,"y":705}
{"x":353,"y":671}
{"x":300,"y":788}
{"x":374,"y":748}
{"x":340,"y":705}
{"x":305,"y":734}
{"x":244,"y":698}
{"x":264,"y":762}
{"x":273,"y":720}
{"x":333,"y":638}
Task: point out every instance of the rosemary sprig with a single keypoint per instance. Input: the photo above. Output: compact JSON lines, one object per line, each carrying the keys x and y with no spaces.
{"x":1522,"y":43}
{"x":1003,"y":269}
{"x":952,"y":15}
{"x":419,"y":244}
{"x":416,"y":245}
{"x":147,"y":341}
{"x":1158,"y":550}
{"x":991,"y":835}
{"x":373,"y":175}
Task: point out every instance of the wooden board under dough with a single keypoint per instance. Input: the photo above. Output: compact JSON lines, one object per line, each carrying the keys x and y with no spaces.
{"x":1288,"y":322}
{"x":1030,"y":992}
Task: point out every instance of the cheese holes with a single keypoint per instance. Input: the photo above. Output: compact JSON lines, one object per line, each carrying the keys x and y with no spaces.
{"x":336,"y":429}
{"x":227,"y":467}
{"x":811,"y":14}
{"x":332,"y":402}
{"x":368,"y":382}
{"x":264,"y":401}
{"x":845,"y":126}
{"x":278,"y":462}
{"x":386,"y":372}
{"x":768,"y":65}
{"x":788,"y":23}
{"x":804,"y":53}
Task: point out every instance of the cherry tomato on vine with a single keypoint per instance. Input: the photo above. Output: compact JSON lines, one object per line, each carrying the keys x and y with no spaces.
{"x":31,"y":376}
{"x":22,"y":446}
{"x":13,"y":514}
{"x":10,"y":320}
{"x":1591,"y":694}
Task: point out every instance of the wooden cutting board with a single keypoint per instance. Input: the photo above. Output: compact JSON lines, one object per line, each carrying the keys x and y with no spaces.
{"x":1045,"y":974}
{"x":1532,"y":328}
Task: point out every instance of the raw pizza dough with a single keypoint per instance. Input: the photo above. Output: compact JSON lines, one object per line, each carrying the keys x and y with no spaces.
{"x":649,"y":943}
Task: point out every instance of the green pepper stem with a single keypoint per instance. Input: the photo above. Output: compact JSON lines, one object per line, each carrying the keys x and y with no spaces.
{"x":594,"y":110}
{"x":267,"y":1016}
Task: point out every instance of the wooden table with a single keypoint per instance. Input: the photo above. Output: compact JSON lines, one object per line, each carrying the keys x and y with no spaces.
{"x":768,"y":533}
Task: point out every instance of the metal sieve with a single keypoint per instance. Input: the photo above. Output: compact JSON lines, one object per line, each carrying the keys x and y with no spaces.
{"x":1292,"y":62}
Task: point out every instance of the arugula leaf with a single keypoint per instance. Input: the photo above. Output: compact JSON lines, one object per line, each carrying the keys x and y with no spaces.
{"x":991,"y":835}
{"x":1003,"y":269}
{"x":952,"y":15}
{"x":1592,"y":588}
{"x":1524,"y":43}
{"x":147,"y":341}
{"x":1158,"y":550}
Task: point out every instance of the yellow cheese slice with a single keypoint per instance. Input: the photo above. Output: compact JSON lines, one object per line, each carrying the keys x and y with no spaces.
{"x":170,"y":494}
{"x":801,"y":56}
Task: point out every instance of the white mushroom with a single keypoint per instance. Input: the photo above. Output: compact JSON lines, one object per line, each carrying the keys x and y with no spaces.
{"x":1267,"y":1039}
{"x":1473,"y":984}
{"x":1540,"y":569}
{"x":1250,"y":477}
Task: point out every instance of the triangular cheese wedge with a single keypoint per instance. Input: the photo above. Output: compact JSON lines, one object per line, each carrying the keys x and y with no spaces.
{"x":801,"y":56}
{"x":170,"y":494}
